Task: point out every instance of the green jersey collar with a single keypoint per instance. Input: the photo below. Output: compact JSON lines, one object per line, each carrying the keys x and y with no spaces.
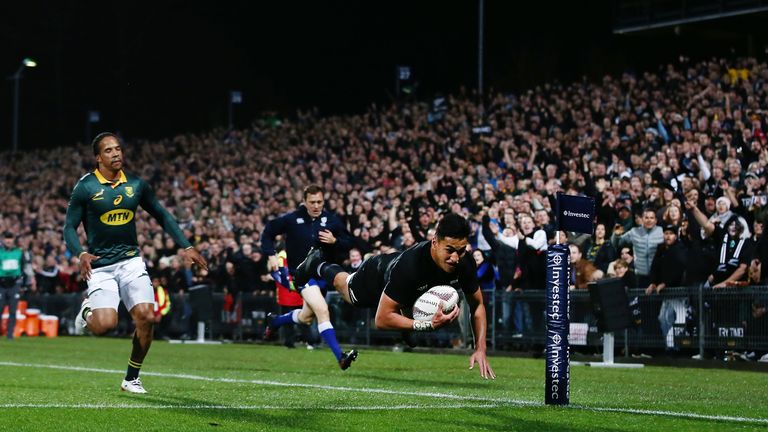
{"x":120,"y":180}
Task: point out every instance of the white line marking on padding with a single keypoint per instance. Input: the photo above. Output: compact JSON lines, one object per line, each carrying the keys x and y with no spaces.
{"x":489,"y":402}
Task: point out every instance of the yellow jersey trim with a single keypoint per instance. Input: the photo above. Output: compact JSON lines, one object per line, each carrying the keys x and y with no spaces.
{"x":103,"y":180}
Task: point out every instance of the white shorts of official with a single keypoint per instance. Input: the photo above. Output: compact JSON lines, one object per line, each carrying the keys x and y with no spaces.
{"x":126,"y":280}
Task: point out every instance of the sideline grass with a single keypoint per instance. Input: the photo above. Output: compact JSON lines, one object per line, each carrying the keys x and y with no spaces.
{"x":72,"y":384}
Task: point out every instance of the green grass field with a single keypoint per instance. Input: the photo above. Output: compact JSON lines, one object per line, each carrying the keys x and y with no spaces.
{"x":72,"y":384}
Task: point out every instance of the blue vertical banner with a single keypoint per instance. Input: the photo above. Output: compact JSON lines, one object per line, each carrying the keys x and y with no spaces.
{"x":558,"y":362}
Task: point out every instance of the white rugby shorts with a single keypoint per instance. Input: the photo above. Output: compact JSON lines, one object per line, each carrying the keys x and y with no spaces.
{"x":126,"y":280}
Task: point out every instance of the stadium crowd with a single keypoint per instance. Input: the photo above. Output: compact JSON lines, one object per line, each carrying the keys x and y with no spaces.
{"x":675,"y":159}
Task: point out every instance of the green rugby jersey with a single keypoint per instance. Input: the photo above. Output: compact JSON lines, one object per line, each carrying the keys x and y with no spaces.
{"x":108,"y":210}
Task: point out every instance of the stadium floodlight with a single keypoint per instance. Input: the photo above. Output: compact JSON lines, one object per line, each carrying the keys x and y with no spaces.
{"x":25,"y":63}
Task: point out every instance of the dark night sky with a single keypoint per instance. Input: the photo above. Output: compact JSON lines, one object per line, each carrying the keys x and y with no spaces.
{"x":155,"y":69}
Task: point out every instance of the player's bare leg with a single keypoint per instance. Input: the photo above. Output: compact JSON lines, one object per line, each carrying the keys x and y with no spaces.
{"x":314,"y":306}
{"x":102,"y":320}
{"x":313,"y":297}
{"x":341,"y":283}
{"x":143,"y":317}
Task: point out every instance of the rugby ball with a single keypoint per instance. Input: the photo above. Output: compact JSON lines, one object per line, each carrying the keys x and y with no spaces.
{"x":426,"y":306}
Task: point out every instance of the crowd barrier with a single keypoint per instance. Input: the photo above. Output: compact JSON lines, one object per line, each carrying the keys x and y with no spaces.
{"x":694,"y":319}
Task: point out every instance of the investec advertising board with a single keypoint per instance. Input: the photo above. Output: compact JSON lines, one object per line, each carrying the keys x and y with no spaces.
{"x":558,"y":373}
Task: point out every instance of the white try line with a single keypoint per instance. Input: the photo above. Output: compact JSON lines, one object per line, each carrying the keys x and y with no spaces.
{"x":692,"y":416}
{"x":282,"y":384}
{"x":249,"y":407}
{"x":488,"y":402}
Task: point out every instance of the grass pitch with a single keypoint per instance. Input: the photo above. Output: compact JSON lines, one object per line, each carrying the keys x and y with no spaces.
{"x":72,"y":384}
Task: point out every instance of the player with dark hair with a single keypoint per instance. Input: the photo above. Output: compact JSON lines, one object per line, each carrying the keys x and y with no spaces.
{"x":305,"y":228}
{"x":391,"y":283}
{"x":105,"y":202}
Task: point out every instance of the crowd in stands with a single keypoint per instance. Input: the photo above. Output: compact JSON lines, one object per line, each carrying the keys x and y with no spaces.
{"x":675,"y":159}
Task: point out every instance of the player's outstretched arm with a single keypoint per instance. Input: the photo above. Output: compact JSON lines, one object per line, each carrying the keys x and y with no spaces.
{"x":480,"y":327}
{"x":388,"y":315}
{"x":150,"y":203}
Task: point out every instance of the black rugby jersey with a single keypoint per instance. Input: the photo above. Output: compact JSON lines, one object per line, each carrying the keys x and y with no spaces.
{"x":413,"y":272}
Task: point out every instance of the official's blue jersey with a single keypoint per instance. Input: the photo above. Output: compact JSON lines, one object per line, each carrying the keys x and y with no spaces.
{"x":301,"y":233}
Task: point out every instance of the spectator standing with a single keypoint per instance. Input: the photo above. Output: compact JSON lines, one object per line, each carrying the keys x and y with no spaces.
{"x":12,"y":278}
{"x":598,"y":251}
{"x":644,"y":240}
{"x":531,"y":245}
{"x":486,"y":274}
{"x":584,"y":271}
{"x":668,"y":271}
{"x":735,"y":255}
{"x":506,"y":262}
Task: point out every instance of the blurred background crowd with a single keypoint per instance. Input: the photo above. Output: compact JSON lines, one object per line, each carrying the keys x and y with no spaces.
{"x":675,"y":159}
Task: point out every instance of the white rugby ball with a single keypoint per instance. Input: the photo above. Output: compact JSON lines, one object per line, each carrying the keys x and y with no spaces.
{"x":426,"y":306}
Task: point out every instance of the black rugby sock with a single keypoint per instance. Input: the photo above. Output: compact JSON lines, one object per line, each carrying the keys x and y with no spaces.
{"x":329,"y":272}
{"x":133,"y":370}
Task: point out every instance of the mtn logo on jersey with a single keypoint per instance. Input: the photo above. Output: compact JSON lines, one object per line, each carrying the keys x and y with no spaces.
{"x":116,"y":217}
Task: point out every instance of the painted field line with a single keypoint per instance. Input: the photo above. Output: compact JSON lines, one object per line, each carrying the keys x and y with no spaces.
{"x":283,"y":384}
{"x":247,"y":407}
{"x":492,"y":402}
{"x":693,"y":416}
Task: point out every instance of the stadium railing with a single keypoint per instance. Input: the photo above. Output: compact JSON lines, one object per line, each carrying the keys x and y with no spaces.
{"x":700,"y":320}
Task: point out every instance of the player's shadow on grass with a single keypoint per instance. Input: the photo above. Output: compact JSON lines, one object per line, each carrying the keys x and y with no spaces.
{"x":512,"y":418}
{"x":260,"y":419}
{"x":503,"y":420}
